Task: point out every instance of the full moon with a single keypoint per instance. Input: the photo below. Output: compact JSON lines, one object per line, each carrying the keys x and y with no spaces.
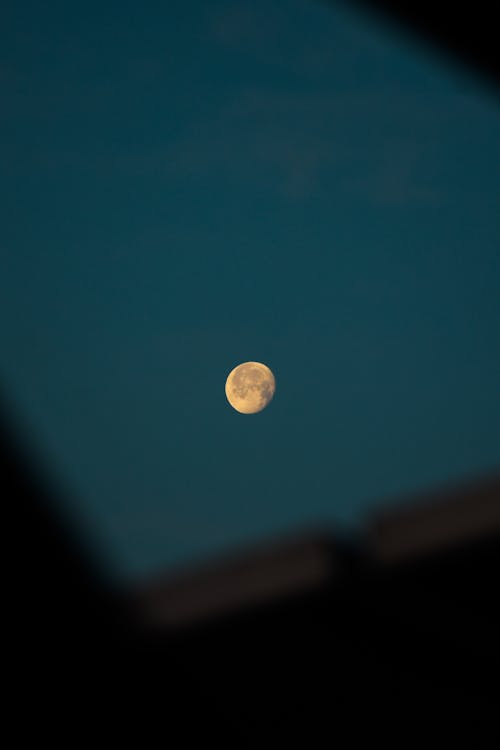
{"x":250,"y":387}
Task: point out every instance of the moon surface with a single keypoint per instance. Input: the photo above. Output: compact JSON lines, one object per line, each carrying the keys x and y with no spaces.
{"x":250,"y":387}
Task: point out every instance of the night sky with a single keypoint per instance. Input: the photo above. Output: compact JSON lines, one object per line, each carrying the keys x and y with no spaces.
{"x":188,"y":185}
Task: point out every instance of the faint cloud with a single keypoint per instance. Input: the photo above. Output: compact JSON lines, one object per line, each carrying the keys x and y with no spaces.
{"x":395,"y":179}
{"x":299,"y":143}
{"x":256,"y":137}
{"x":273,"y":35}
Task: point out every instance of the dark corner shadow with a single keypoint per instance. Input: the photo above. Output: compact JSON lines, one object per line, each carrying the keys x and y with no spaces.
{"x":464,"y":35}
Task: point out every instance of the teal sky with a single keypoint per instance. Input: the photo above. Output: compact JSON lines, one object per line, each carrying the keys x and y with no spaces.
{"x":191,"y":185}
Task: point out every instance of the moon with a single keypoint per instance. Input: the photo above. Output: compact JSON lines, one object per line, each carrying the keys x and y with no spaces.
{"x":250,"y":387}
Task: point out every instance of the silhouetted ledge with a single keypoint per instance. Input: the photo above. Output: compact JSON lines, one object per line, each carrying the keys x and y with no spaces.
{"x":443,"y":523}
{"x":437,"y":522}
{"x":267,"y":572}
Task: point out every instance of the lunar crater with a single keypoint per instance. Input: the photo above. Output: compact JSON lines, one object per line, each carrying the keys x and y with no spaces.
{"x":250,"y":387}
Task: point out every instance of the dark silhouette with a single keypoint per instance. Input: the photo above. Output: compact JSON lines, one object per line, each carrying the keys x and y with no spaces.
{"x":284,"y":643}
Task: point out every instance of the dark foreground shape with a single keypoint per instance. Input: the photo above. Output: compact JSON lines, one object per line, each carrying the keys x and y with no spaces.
{"x":392,"y":637}
{"x":313,"y":636}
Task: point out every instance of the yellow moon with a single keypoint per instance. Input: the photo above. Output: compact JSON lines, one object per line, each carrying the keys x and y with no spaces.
{"x":250,"y":387}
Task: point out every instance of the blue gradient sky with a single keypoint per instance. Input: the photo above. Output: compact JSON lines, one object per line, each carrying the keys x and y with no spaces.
{"x":189,"y":186}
